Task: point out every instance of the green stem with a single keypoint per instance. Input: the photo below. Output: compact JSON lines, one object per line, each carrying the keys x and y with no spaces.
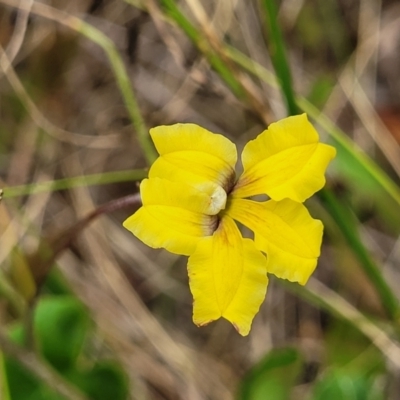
{"x":87,"y":180}
{"x":278,"y":55}
{"x":124,"y":85}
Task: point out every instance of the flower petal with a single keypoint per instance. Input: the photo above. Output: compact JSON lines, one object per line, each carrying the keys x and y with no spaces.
{"x":286,"y":232}
{"x":172,"y":216}
{"x":193,"y":155}
{"x":210,"y":200}
{"x":285,"y":161}
{"x":227,"y":277}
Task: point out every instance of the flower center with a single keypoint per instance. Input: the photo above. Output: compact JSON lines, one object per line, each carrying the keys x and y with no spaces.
{"x":217,"y":200}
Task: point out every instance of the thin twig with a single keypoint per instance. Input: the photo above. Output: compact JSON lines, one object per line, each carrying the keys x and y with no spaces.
{"x":99,"y":142}
{"x":15,"y":43}
{"x":117,"y":65}
{"x":48,"y":251}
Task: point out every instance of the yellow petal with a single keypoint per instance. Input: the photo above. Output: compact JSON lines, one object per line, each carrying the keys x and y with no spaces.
{"x":227,"y":277}
{"x":193,"y":155}
{"x":210,"y":200}
{"x":285,"y":161}
{"x":286,"y":232}
{"x":172,"y":216}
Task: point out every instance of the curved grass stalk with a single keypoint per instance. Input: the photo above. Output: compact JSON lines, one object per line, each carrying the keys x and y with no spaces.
{"x":117,"y":65}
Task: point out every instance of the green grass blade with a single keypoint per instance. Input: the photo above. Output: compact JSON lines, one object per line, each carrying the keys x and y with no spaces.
{"x":124,"y":85}
{"x":278,"y":55}
{"x":217,"y":63}
{"x":346,"y":225}
{"x":341,"y":141}
{"x":67,"y":183}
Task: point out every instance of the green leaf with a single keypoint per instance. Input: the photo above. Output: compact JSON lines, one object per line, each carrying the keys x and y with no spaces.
{"x":105,"y":381}
{"x":56,"y":284}
{"x":339,"y":384}
{"x":272,"y":377}
{"x":24,"y":386}
{"x":61,"y":324}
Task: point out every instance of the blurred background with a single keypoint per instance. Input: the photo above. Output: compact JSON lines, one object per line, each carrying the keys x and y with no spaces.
{"x":98,"y":315}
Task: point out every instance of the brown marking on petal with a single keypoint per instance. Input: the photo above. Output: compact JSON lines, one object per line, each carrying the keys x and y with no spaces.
{"x":210,"y":224}
{"x":213,"y":225}
{"x":205,"y":323}
{"x":236,"y":327}
{"x":239,"y":184}
{"x":229,"y":184}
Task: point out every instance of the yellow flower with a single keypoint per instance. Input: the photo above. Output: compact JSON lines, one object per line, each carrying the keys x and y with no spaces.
{"x":192,"y":198}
